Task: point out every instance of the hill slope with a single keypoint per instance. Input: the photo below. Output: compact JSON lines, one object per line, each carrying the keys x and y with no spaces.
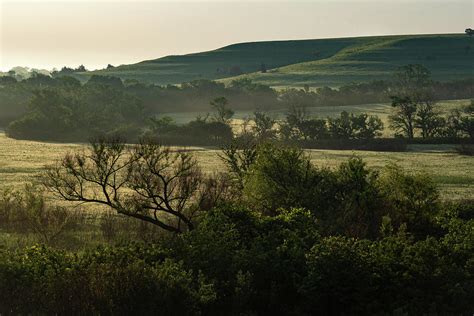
{"x":315,"y":62}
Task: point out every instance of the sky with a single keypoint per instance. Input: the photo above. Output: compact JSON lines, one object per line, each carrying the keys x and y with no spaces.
{"x":52,"y":34}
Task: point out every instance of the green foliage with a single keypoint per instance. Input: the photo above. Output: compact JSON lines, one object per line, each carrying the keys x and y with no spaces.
{"x":282,"y":177}
{"x":105,"y":80}
{"x":105,"y":105}
{"x":410,"y":199}
{"x":26,"y":211}
{"x":352,"y":200}
{"x":78,"y":113}
{"x":60,"y":283}
{"x":263,"y":128}
{"x":344,"y":276}
{"x":299,"y":125}
{"x":240,"y":262}
{"x":413,"y":103}
{"x":299,"y":240}
{"x":238,"y":156}
{"x":351,"y":126}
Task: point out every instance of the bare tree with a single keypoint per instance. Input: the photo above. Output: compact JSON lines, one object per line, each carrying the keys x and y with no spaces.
{"x":145,"y":181}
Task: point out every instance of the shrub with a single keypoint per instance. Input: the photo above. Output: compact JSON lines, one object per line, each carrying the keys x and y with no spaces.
{"x":43,"y":281}
{"x":283,"y":177}
{"x":26,"y":211}
{"x":410,"y":199}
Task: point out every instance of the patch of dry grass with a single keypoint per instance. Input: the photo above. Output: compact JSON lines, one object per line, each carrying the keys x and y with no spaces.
{"x":21,"y":160}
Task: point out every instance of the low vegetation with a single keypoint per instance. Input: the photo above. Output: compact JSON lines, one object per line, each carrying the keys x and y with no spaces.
{"x":292,"y":238}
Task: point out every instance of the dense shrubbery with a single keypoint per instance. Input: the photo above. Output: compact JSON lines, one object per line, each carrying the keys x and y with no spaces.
{"x":238,"y":262}
{"x":27,"y":212}
{"x":292,"y":239}
{"x":352,"y":200}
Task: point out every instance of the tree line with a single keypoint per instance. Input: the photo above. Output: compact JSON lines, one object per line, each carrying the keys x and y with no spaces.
{"x":18,"y":98}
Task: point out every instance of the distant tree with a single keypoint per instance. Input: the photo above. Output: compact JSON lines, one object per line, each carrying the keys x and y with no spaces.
{"x":352,"y":126}
{"x":296,"y":115}
{"x":366,"y":126}
{"x":109,"y":66}
{"x":162,"y":125}
{"x":105,"y":80}
{"x":413,"y":80}
{"x":263,"y":68}
{"x":263,"y":127}
{"x":467,"y":120}
{"x":67,"y":70}
{"x":428,"y":121}
{"x":341,"y":127}
{"x":403,"y":119}
{"x":314,"y":129}
{"x":412,"y":92}
{"x":469,"y":32}
{"x":452,"y":124}
{"x":223,"y":113}
{"x":81,"y":68}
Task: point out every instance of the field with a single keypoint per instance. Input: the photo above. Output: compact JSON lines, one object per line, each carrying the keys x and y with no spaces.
{"x":21,"y":161}
{"x":331,"y":62}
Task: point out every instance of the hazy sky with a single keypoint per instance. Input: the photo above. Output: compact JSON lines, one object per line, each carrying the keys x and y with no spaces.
{"x":47,"y":34}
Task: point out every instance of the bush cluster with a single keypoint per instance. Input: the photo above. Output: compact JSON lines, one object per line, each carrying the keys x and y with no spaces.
{"x":239,"y":262}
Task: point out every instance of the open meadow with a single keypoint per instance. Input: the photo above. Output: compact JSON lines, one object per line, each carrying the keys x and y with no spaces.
{"x":320,"y":62}
{"x":21,"y":161}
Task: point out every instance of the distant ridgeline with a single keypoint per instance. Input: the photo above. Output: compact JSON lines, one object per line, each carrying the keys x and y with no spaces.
{"x":321,"y":62}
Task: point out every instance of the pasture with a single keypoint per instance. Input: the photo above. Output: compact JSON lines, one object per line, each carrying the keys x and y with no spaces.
{"x":318,"y":62}
{"x":21,"y":161}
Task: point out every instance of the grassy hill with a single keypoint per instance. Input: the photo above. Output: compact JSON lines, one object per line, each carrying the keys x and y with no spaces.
{"x":332,"y":62}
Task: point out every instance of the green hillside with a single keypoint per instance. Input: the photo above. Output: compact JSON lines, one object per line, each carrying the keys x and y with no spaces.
{"x":321,"y":62}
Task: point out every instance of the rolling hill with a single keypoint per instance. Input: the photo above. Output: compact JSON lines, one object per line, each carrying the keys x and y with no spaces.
{"x":331,"y":62}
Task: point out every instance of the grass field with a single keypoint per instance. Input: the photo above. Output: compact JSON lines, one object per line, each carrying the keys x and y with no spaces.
{"x":331,"y":62}
{"x":21,"y":161}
